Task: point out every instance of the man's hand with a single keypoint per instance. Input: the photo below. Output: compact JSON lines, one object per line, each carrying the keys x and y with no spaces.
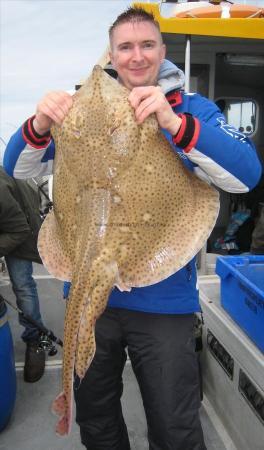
{"x":150,"y":99}
{"x":52,"y":108}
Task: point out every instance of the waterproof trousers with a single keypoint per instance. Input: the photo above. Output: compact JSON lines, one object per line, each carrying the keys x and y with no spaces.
{"x":162,"y":353}
{"x":25,"y":289}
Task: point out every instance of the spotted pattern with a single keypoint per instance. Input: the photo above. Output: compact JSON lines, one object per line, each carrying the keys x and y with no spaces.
{"x":126,"y":213}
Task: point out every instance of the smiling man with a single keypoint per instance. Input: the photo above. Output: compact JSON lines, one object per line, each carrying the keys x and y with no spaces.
{"x":154,"y":323}
{"x":137,"y":52}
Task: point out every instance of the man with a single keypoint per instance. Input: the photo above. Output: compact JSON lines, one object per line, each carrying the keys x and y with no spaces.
{"x":19,"y":225}
{"x":154,"y":323}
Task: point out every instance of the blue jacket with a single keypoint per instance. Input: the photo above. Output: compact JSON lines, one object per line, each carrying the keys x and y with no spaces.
{"x":213,"y":150}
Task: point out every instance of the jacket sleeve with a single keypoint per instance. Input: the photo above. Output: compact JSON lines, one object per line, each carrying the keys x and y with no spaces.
{"x":28,"y":154}
{"x":218,"y":152}
{"x":14,"y":228}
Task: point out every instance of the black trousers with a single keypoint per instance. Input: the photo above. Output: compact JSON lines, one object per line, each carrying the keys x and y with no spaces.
{"x":161,"y":349}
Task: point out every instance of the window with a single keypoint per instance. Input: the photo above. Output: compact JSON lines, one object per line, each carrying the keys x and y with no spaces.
{"x":241,"y":113}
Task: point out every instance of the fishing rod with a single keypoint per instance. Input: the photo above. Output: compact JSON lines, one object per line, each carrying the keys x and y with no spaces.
{"x":49,"y":204}
{"x":40,"y":187}
{"x":47,"y":336}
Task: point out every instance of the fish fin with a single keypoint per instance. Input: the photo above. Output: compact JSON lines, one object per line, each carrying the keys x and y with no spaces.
{"x":64,"y":411}
{"x":53,"y":256}
{"x":63,"y":426}
{"x":59,"y":404}
{"x":122,"y":285}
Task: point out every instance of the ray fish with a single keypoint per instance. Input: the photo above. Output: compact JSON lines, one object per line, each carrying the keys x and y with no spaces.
{"x":126,"y":214}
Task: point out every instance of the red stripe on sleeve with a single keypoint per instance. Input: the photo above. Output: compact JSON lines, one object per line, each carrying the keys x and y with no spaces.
{"x":195,"y":136}
{"x":30,"y":138}
{"x":28,"y":141}
{"x":33,"y":134}
{"x":176,"y":139}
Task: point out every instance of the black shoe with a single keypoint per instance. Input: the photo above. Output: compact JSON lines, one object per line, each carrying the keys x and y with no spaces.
{"x":34,"y":362}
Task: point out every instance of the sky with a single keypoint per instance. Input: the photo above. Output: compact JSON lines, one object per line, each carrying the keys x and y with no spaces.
{"x":47,"y":45}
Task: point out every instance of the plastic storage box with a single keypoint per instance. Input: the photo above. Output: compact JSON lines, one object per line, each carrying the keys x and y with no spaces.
{"x":242,"y":293}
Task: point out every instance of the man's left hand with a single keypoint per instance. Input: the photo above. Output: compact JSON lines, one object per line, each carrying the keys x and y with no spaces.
{"x":147,"y":100}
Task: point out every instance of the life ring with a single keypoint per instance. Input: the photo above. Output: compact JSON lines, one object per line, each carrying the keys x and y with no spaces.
{"x":222,"y":11}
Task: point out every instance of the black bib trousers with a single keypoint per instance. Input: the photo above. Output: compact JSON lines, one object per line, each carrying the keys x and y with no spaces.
{"x":161,"y":348}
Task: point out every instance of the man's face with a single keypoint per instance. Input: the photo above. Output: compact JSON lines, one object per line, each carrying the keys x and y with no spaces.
{"x":136,"y":53}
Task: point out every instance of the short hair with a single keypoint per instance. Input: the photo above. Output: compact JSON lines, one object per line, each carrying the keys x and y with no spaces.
{"x":134,"y":15}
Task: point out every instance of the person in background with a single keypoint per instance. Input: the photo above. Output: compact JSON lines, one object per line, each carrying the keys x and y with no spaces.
{"x":154,"y":323}
{"x":19,"y":226}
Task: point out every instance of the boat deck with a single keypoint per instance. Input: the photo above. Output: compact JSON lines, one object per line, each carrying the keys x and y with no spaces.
{"x":32,"y":424}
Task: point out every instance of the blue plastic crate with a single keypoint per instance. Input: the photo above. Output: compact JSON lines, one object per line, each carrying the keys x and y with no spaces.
{"x":242,"y":293}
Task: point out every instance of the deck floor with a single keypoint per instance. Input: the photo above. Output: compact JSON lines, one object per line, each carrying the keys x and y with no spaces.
{"x":32,"y":424}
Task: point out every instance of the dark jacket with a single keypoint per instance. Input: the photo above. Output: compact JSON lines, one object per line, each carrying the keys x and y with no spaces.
{"x":19,"y":218}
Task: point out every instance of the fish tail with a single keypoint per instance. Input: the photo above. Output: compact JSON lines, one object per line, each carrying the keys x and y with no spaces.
{"x":94,"y":307}
{"x":62,"y":405}
{"x":62,"y":409}
{"x":59,"y":404}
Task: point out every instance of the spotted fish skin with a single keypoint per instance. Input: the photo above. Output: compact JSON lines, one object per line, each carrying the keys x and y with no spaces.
{"x":126,"y":213}
{"x":89,"y":296}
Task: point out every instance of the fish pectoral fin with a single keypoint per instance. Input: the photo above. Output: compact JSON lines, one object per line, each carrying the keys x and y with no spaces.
{"x":94,"y":307}
{"x":121,"y":285}
{"x":61,"y":408}
{"x":51,"y":250}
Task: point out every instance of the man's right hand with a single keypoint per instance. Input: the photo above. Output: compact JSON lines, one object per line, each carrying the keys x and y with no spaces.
{"x":53,"y":108}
